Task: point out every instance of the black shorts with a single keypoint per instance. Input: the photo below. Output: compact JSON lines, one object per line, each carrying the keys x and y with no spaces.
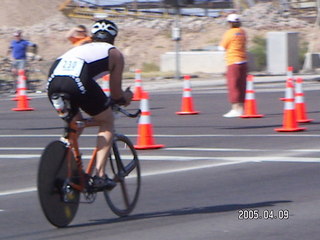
{"x":86,"y":95}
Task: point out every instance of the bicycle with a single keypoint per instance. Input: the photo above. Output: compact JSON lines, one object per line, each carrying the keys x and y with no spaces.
{"x":62,"y":178}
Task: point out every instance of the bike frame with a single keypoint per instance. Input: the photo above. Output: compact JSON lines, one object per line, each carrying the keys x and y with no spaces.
{"x":71,"y":139}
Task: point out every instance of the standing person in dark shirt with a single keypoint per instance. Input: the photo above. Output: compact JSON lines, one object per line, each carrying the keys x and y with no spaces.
{"x":18,"y":49}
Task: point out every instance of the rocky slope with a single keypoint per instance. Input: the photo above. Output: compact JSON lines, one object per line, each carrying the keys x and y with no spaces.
{"x":141,"y":41}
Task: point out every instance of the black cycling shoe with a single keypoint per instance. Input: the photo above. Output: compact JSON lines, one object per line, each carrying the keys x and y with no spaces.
{"x":103,"y":183}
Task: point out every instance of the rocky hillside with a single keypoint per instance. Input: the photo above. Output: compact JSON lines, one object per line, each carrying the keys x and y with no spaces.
{"x":141,"y":41}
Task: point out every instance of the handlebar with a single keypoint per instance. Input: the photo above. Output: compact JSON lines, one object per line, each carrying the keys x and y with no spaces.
{"x":117,"y":108}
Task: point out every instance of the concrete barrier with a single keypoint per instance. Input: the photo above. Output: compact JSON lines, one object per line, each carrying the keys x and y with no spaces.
{"x":311,"y":62}
{"x":194,"y":61}
{"x":198,"y":62}
{"x":282,"y":52}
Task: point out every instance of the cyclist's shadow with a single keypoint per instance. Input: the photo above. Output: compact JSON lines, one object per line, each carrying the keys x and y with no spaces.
{"x":185,"y":211}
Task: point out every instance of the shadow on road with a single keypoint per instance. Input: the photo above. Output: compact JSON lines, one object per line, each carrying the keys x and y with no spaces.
{"x":185,"y":211}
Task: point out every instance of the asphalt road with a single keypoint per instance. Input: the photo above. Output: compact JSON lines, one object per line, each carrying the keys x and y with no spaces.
{"x":216,"y":178}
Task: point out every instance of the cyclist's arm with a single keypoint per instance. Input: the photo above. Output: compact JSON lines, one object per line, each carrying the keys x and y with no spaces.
{"x":116,"y":66}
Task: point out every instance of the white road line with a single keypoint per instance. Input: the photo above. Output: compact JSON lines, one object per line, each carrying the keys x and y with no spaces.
{"x":18,"y":191}
{"x":269,"y":158}
{"x":229,"y":161}
{"x":190,"y":168}
{"x":241,"y":150}
{"x":169,"y":135}
{"x":232,"y":135}
{"x":33,"y":189}
{"x":310,"y":150}
{"x":187,"y":158}
{"x":33,"y":148}
{"x":277,"y":153}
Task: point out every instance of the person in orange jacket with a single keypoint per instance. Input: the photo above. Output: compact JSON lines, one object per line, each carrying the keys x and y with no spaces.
{"x":234,"y":43}
{"x":78,"y":35}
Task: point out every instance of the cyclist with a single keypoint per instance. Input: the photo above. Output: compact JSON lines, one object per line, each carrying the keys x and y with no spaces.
{"x":76,"y":72}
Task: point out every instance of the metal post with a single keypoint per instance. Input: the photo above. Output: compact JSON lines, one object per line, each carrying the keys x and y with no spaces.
{"x":176,"y":37}
{"x":318,"y":13}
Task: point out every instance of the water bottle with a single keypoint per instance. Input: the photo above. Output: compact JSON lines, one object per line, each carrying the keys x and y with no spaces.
{"x":59,"y":105}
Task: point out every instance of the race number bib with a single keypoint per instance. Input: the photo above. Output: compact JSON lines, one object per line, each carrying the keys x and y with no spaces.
{"x":69,"y":67}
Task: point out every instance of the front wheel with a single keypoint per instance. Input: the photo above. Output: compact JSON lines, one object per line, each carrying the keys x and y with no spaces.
{"x":52,"y":184}
{"x":123,"y":167}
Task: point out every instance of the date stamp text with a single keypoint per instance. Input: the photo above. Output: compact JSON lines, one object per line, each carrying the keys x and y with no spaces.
{"x":267,"y":214}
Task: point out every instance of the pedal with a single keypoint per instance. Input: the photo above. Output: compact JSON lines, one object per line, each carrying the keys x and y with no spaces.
{"x":89,"y":194}
{"x":90,"y":197}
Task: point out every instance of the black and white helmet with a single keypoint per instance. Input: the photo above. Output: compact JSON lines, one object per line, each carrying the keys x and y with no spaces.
{"x":101,"y":27}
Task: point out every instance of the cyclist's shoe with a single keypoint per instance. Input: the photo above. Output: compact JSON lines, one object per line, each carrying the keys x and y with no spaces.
{"x":103,"y":183}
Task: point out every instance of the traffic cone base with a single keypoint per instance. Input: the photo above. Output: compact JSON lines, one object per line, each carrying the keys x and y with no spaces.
{"x":301,"y":114}
{"x":187,"y":113}
{"x":187,"y":107}
{"x":145,"y":138}
{"x":289,"y":123}
{"x":22,"y":109}
{"x":297,"y":129}
{"x":305,"y":120}
{"x":22,"y":104}
{"x":250,"y":110}
{"x":252,"y":116}
{"x":145,"y":147}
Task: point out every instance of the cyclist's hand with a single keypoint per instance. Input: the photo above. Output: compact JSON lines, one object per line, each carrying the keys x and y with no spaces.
{"x":127,"y":94}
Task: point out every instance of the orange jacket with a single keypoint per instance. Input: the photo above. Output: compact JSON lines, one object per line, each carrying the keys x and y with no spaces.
{"x":234,"y":42}
{"x":79,"y":41}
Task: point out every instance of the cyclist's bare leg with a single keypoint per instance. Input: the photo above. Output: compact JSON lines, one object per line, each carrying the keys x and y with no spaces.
{"x":104,"y":139}
{"x":78,"y":117}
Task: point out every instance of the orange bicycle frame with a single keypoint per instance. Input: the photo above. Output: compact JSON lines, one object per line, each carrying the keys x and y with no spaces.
{"x":71,"y":137}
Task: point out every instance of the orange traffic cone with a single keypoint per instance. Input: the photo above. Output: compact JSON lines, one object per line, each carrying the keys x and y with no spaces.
{"x":289,"y":78}
{"x":105,"y":84}
{"x":137,"y":94}
{"x":290,"y":72}
{"x":299,"y":103}
{"x":22,"y":99}
{"x":289,"y":116}
{"x":145,"y":131}
{"x":250,"y":106}
{"x":21,"y":84}
{"x":187,"y":100}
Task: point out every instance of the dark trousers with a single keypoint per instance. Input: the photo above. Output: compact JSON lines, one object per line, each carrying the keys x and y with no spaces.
{"x":237,"y":81}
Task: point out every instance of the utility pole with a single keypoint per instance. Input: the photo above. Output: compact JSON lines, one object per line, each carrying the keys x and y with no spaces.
{"x":318,"y":13}
{"x":135,"y":6}
{"x":176,"y":31}
{"x":176,"y":36}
